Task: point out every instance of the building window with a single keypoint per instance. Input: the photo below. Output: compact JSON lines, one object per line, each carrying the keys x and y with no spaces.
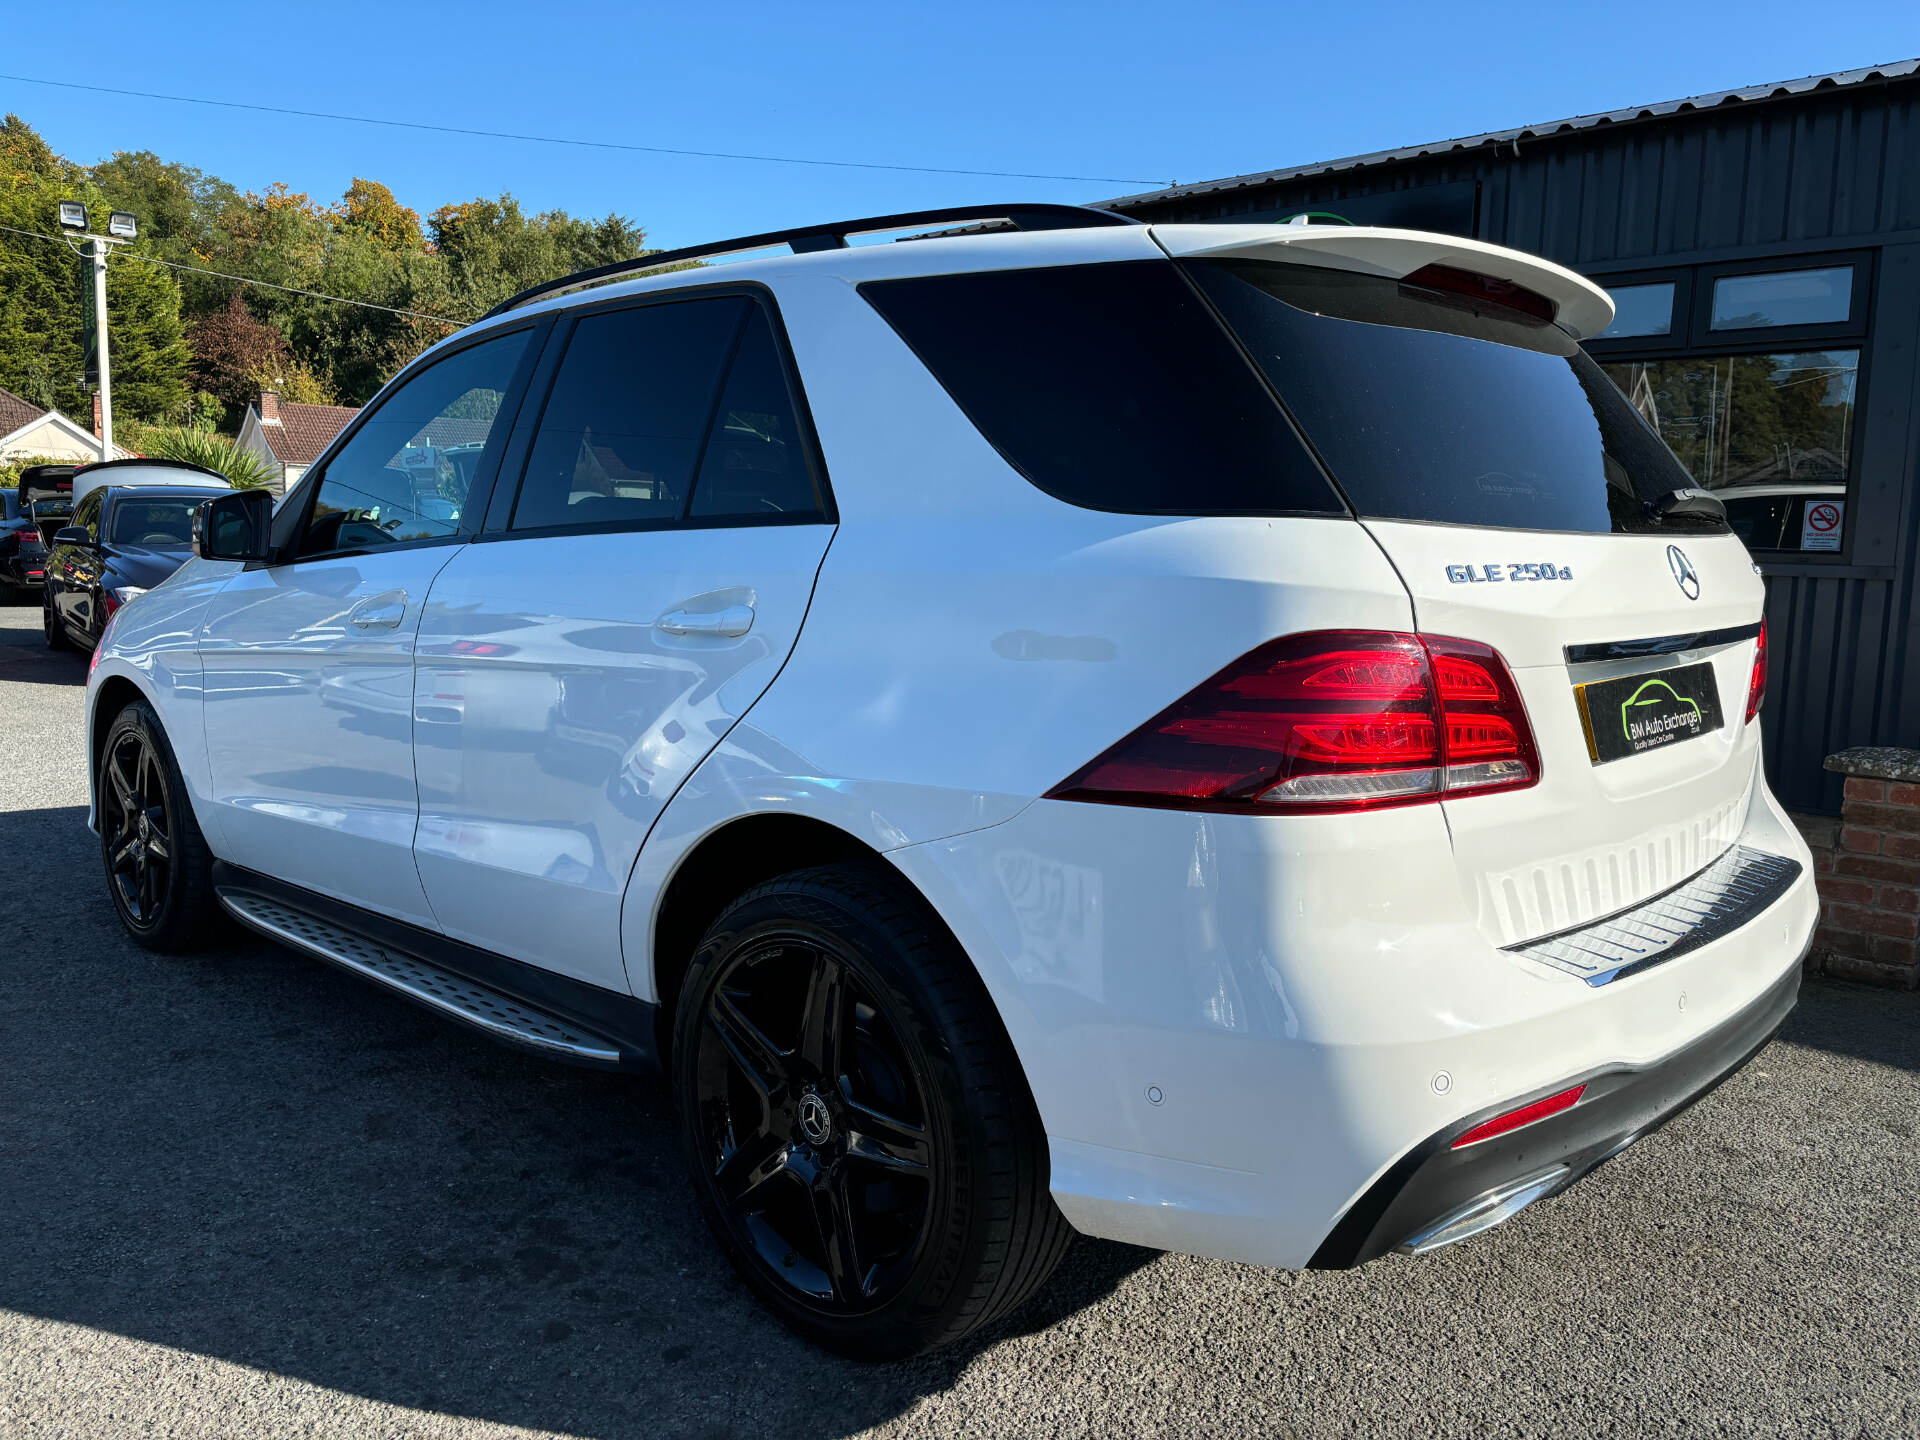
{"x":1640,"y":310}
{"x":1771,"y":433}
{"x":1785,"y":297}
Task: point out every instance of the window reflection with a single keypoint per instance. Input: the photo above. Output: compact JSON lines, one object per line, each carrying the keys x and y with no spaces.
{"x":1640,"y":310}
{"x":1786,"y":297}
{"x":1772,"y":432}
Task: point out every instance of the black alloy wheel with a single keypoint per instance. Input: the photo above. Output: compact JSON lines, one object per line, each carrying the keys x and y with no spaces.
{"x":136,"y":827}
{"x":860,"y":1134}
{"x":814,"y":1123}
{"x":159,"y":870}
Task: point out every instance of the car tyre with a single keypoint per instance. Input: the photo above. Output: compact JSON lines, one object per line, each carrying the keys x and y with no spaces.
{"x":50,"y":623}
{"x":861,"y":1138}
{"x":159,"y":870}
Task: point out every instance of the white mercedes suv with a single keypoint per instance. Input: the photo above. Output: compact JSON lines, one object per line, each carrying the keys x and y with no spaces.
{"x":1232,"y":738}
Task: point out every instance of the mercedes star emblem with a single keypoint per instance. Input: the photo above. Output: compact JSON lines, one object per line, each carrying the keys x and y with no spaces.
{"x":1684,"y":575}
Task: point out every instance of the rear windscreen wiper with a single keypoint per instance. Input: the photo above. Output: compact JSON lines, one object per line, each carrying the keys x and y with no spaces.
{"x":1688,"y":503}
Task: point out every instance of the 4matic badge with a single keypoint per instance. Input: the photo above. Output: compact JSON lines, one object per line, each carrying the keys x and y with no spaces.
{"x":1507,"y":570}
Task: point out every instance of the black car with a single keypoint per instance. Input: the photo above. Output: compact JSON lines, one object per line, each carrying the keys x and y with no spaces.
{"x":23,"y":557}
{"x":123,"y":541}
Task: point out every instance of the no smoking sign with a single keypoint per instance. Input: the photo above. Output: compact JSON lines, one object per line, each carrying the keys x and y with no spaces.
{"x":1820,"y":524}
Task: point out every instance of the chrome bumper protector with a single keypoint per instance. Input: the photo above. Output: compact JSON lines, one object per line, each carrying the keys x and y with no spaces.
{"x":1715,"y":902}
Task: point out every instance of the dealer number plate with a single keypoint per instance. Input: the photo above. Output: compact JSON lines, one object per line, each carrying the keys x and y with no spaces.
{"x":1638,"y":713}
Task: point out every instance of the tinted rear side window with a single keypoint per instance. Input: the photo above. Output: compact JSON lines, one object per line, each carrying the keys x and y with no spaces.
{"x":755,"y":466}
{"x":1108,"y":386}
{"x":1431,"y":406}
{"x":624,"y":423}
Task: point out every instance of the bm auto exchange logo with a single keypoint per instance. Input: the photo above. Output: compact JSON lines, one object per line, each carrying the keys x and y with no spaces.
{"x":1656,"y":709}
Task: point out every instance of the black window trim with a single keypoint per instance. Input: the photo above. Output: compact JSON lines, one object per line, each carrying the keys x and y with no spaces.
{"x":506,"y":495}
{"x":484,"y":482}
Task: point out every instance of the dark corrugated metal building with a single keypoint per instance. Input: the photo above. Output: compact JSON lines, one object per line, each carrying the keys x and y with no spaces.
{"x":1763,"y":249}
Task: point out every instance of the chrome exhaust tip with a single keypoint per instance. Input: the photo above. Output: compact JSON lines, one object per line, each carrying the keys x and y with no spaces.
{"x":1483,"y":1212}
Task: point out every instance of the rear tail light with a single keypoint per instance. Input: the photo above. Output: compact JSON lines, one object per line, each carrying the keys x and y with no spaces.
{"x":1327,"y":722}
{"x":109,"y":602}
{"x":1517,"y":1119}
{"x":1757,"y":686}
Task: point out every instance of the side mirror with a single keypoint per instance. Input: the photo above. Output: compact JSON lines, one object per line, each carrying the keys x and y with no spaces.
{"x":73,"y":535}
{"x":234,"y":527}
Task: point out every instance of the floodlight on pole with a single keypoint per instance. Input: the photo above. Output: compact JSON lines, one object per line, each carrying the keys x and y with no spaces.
{"x":73,"y":215}
{"x":121,"y":225}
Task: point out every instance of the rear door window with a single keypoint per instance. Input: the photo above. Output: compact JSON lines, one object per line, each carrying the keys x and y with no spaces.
{"x":1436,"y":406}
{"x":756,"y":462}
{"x":1108,"y":386}
{"x":621,"y":436}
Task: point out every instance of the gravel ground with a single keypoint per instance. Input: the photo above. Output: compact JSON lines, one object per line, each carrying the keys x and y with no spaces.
{"x":242,"y":1194}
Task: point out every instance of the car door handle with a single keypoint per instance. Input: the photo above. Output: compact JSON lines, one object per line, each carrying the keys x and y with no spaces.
{"x":379,"y":612}
{"x":733,"y":621}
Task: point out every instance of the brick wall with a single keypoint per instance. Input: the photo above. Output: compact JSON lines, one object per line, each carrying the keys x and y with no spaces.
{"x":1868,"y":873}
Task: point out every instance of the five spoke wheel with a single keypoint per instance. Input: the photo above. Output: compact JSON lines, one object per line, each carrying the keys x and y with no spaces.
{"x":814,"y":1124}
{"x":137,"y":827}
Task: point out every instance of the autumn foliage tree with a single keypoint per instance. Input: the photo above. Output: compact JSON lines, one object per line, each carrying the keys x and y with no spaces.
{"x":230,"y":348}
{"x":367,"y":247}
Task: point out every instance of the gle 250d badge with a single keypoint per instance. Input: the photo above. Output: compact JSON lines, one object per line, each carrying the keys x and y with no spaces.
{"x":1505,"y":571}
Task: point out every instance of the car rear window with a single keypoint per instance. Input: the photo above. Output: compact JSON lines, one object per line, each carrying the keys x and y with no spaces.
{"x":1108,"y":386}
{"x":1432,"y":406}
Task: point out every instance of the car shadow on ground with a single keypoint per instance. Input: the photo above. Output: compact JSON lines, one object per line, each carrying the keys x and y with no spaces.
{"x":247,"y":1155}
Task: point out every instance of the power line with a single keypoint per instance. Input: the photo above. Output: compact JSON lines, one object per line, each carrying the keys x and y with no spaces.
{"x":250,"y":280}
{"x":562,"y":140}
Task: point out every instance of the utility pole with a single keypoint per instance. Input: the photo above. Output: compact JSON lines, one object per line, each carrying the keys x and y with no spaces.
{"x":121,"y":228}
{"x":97,"y":252}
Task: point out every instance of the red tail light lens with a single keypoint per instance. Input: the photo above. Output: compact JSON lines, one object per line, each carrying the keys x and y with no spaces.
{"x":1327,"y":722}
{"x":1757,"y":686}
{"x":1525,"y":1115}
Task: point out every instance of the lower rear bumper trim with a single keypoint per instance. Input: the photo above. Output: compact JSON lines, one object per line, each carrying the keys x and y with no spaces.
{"x":1435,"y":1186}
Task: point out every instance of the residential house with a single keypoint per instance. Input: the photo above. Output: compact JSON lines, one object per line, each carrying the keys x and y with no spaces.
{"x":29,"y":430}
{"x":290,"y":436}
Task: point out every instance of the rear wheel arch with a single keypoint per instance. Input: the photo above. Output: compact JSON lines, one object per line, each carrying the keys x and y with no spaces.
{"x":722,"y":866}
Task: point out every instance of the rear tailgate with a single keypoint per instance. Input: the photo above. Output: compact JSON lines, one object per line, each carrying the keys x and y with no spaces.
{"x":1529,"y":507}
{"x":1616,"y":817}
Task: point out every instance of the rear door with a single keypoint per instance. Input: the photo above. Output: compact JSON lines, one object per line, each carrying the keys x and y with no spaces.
{"x":625,"y":608}
{"x":1528,"y":507}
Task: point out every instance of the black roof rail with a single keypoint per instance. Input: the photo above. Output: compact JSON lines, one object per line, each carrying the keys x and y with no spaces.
{"x":806,"y":239}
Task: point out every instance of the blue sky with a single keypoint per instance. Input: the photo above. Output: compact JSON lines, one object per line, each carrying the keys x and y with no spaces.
{"x":1135,"y":92}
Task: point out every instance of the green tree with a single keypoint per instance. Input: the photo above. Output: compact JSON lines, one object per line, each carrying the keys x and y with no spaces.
{"x":41,"y":346}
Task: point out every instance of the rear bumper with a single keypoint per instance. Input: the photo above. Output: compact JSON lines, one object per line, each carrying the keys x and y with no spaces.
{"x":1249,"y":1038}
{"x":1434,"y":1182}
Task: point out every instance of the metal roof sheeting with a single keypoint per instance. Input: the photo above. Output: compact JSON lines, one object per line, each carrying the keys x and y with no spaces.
{"x":1781,"y":90}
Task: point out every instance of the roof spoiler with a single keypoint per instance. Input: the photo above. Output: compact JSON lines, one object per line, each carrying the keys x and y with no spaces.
{"x":1581,"y":308}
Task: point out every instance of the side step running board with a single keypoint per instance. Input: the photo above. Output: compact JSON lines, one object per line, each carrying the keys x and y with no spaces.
{"x":454,"y":996}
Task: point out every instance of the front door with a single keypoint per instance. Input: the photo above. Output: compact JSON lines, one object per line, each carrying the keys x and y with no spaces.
{"x":577,"y":664}
{"x":309,"y":661}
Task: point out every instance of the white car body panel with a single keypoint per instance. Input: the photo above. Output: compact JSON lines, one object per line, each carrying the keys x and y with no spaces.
{"x":309,"y":723}
{"x":553,"y":719}
{"x":1284,"y":999}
